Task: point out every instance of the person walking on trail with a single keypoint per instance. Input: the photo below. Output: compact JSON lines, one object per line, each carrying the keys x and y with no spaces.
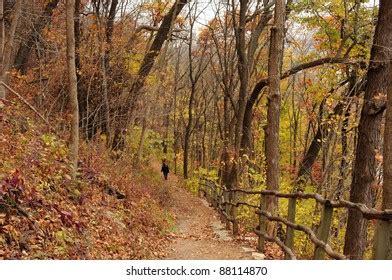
{"x":165,"y":169}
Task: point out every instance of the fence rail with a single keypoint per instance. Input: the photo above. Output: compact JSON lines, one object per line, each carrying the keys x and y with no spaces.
{"x":226,"y":202}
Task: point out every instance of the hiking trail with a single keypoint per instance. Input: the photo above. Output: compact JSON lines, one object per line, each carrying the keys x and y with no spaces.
{"x":199,"y":234}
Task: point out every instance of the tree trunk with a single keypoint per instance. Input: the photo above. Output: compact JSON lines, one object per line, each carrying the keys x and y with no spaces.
{"x":147,"y":64}
{"x":72,"y":87}
{"x":246,"y":141}
{"x":387,"y":184}
{"x":149,"y":59}
{"x":192,"y":80}
{"x":82,"y":94}
{"x":7,"y":43}
{"x":344,"y":139}
{"x":188,"y":130}
{"x":257,"y":90}
{"x":364,"y":171}
{"x":225,"y":157}
{"x":2,"y":42}
{"x":139,"y":152}
{"x":273,"y":111}
{"x":243,"y":72}
{"x":175,"y":125}
{"x":382,"y":249}
{"x":312,"y":152}
{"x":104,"y":69}
{"x":23,"y":54}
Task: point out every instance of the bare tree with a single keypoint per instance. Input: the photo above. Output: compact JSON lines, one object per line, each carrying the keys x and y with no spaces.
{"x":161,"y":36}
{"x":7,"y":42}
{"x":105,"y":16}
{"x":23,"y":53}
{"x":194,"y":75}
{"x":274,"y":104}
{"x":73,"y":90}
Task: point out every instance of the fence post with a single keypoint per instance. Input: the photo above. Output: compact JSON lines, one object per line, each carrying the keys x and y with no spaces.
{"x":211,"y":186}
{"x":382,"y":247}
{"x":200,"y":187}
{"x":234,"y":212}
{"x":261,"y":239}
{"x":323,"y":234}
{"x":216,"y":203}
{"x":212,"y":193}
{"x":289,"y":241}
{"x":221,"y":205}
{"x":208,"y":192}
{"x":227,"y":208}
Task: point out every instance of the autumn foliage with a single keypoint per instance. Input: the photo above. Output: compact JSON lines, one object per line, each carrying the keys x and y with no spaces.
{"x":41,"y":217}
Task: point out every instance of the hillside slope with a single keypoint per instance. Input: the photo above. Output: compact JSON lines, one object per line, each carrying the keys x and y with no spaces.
{"x":111,"y":214}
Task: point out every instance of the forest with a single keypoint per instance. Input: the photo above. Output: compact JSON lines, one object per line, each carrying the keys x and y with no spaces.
{"x":273,"y":117}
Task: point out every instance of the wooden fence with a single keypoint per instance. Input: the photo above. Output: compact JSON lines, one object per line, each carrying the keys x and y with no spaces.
{"x":226,"y":202}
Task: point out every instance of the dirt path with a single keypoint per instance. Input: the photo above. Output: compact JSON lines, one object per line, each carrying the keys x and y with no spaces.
{"x":199,"y":234}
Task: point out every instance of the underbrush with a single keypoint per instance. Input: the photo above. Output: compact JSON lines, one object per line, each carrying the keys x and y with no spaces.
{"x":192,"y":183}
{"x":43,"y":217}
{"x":308,"y":213}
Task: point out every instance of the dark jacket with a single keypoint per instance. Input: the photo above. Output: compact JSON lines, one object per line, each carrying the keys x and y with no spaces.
{"x":165,"y":168}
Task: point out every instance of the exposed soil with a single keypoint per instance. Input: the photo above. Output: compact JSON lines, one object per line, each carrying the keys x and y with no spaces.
{"x":199,"y":234}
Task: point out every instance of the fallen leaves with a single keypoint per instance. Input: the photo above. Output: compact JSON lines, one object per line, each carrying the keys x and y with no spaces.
{"x":60,"y":222}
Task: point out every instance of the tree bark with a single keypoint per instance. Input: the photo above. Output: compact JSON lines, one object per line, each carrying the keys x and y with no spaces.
{"x":188,"y":129}
{"x":193,"y":81}
{"x":344,"y":140}
{"x":2,"y":34}
{"x":243,"y":72}
{"x":105,"y":66}
{"x":273,"y":110}
{"x":22,"y":56}
{"x":387,"y":184}
{"x":72,"y":87}
{"x":7,"y":43}
{"x":382,"y":249}
{"x":82,"y":95}
{"x":364,"y":171}
{"x":139,"y":153}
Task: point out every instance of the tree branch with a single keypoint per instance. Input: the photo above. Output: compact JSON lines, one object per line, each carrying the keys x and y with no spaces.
{"x":153,"y":29}
{"x":307,"y":65}
{"x":25,"y":102}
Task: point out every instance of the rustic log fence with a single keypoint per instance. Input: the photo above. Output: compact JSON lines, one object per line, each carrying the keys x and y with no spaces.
{"x":226,"y":202}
